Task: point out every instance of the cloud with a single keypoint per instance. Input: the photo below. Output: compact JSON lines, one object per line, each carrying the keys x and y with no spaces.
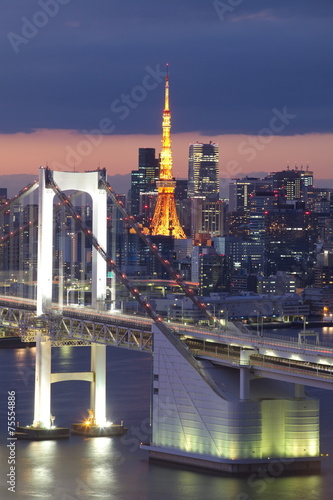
{"x":283,"y":9}
{"x":263,"y":15}
{"x":225,"y":77}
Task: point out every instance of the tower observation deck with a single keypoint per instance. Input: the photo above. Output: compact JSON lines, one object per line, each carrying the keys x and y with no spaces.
{"x":165,"y":221}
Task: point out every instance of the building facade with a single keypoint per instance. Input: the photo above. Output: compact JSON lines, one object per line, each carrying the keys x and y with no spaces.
{"x":203,"y":171}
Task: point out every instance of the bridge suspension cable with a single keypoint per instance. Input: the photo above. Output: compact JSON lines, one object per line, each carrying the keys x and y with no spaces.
{"x":92,"y":239}
{"x":30,"y":188}
{"x":19,"y":230}
{"x":189,"y":292}
{"x":169,"y":334}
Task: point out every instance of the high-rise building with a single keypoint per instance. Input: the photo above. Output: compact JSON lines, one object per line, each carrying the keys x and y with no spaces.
{"x":203,"y":171}
{"x":211,"y":270}
{"x":241,"y":190}
{"x":290,"y":241}
{"x":183,"y":205}
{"x":307,"y":177}
{"x":324,"y":266}
{"x":246,"y":254}
{"x":3,"y":195}
{"x":149,"y":165}
{"x":292,"y":183}
{"x":288,"y":182}
{"x":165,"y":221}
{"x":207,"y":217}
{"x":181,"y":189}
{"x":261,"y":202}
{"x":144,"y":179}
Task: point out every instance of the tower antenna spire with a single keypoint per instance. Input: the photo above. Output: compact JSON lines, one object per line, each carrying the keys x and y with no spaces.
{"x":165,"y":221}
{"x":166,"y":100}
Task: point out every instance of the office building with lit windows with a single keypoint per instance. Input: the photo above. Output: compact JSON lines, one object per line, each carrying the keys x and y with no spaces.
{"x":241,"y":190}
{"x":293,"y":183}
{"x":207,"y":217}
{"x":144,"y":179}
{"x":203,"y":171}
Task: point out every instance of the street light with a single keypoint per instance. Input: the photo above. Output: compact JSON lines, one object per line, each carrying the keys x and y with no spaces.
{"x":225,"y":317}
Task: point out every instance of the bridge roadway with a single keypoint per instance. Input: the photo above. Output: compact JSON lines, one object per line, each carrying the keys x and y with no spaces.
{"x":269,"y":356}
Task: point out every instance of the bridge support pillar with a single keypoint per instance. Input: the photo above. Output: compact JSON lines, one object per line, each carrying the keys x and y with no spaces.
{"x":42,"y":410}
{"x":45,"y":243}
{"x":98,"y":386}
{"x":244,"y":375}
{"x":299,"y":391}
{"x":198,"y":420}
{"x":244,"y":389}
{"x":87,"y":182}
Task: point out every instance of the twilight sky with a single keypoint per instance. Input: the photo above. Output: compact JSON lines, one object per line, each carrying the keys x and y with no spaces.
{"x":81,"y":82}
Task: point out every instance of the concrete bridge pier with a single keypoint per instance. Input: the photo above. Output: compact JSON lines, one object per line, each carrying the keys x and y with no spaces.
{"x":299,"y":391}
{"x":244,"y":390}
{"x":204,"y":415}
{"x":98,"y":386}
{"x":43,"y":425}
{"x":244,"y":375}
{"x":42,"y":408}
{"x":97,"y":424}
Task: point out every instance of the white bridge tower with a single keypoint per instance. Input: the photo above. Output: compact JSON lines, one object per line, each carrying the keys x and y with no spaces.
{"x":87,"y":182}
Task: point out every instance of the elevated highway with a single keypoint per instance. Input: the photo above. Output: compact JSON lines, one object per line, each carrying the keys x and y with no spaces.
{"x":268,"y":356}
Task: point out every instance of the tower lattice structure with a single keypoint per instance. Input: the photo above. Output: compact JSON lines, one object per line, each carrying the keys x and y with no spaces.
{"x":165,"y":221}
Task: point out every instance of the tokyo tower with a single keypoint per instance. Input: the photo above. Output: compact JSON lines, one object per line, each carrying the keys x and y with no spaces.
{"x":165,"y":221}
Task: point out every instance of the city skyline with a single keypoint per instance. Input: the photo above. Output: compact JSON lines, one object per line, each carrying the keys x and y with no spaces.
{"x":204,"y":247}
{"x":264,"y":98}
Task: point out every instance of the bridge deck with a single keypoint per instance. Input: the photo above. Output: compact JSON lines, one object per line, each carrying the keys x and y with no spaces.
{"x":271,"y":356}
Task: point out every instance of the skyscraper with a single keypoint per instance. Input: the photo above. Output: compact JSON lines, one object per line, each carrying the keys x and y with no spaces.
{"x":293,"y":183}
{"x":241,"y":190}
{"x":165,"y":221}
{"x":144,"y":179}
{"x":203,"y":171}
{"x":207,"y":217}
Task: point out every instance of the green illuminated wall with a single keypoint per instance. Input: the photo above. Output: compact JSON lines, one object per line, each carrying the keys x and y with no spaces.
{"x":190,"y":415}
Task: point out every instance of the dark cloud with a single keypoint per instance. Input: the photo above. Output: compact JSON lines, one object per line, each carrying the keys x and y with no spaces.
{"x":227,"y":76}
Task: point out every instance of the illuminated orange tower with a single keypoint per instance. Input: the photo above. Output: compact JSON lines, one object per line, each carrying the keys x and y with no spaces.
{"x":165,"y":221}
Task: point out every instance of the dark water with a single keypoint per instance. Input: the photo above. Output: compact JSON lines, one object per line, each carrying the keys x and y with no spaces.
{"x":104,"y":468}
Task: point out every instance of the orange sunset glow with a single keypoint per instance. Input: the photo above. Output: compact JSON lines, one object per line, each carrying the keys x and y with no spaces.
{"x":239,"y":154}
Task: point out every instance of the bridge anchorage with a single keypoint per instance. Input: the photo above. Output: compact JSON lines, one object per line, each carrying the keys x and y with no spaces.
{"x":222,"y":399}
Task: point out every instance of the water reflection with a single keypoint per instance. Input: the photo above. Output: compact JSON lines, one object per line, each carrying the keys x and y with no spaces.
{"x":326,"y":334}
{"x":99,"y":460}
{"x":109,"y":468}
{"x":66,"y":358}
{"x":36,"y":478}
